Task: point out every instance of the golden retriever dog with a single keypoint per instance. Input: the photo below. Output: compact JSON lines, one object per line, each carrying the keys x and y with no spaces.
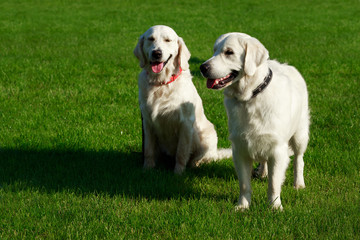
{"x":267,"y":109}
{"x":174,"y":122}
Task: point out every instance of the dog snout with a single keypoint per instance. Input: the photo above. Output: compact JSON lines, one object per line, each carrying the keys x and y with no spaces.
{"x":204,"y":68}
{"x":156,"y":54}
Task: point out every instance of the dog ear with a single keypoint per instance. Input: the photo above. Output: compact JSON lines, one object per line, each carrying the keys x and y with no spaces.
{"x":138,"y":51}
{"x":255,"y":55}
{"x":183,"y":55}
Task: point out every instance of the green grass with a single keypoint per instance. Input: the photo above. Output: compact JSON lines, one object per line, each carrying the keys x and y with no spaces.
{"x":70,"y":129}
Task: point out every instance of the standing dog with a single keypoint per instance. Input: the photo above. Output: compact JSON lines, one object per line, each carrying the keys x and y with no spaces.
{"x":173,"y":116}
{"x":267,"y":108}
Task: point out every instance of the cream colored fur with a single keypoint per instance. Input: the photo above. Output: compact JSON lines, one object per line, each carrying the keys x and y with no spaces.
{"x":173,"y":116}
{"x":268,"y":127}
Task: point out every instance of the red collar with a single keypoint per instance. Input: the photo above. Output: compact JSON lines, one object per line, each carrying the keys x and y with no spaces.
{"x":173,"y":77}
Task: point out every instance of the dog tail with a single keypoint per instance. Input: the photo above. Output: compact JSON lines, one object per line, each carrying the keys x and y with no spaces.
{"x":213,"y":156}
{"x":223,"y":153}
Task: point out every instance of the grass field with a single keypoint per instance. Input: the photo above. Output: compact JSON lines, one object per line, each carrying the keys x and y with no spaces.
{"x":70,"y":129}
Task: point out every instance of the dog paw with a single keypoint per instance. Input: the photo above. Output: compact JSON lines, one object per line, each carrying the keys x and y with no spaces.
{"x":241,"y":208}
{"x":299,"y":182}
{"x":195,"y":164}
{"x":275,"y":203}
{"x":179,"y":169}
{"x":148,"y":165}
{"x":243,"y":204}
{"x":277,"y":207}
{"x":298,"y":186}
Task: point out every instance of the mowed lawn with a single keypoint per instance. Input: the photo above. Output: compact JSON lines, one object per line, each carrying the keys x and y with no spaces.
{"x":70,"y":128}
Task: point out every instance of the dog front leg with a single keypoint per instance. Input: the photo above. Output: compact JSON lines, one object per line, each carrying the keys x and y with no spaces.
{"x":243,"y":167}
{"x":184,"y":147}
{"x":149,"y":141}
{"x":277,"y":167}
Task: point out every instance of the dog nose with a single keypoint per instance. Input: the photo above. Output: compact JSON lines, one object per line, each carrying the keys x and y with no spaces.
{"x":204,"y":68}
{"x":156,"y":54}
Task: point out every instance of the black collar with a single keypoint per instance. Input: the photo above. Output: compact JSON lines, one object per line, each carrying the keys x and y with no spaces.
{"x":262,"y":86}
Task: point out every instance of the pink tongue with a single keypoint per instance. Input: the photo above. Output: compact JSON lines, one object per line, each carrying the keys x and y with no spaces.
{"x":210,"y":83}
{"x":157,"y":67}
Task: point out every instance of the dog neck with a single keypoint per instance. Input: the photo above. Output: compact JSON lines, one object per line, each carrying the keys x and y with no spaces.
{"x":247,"y":87}
{"x":263,"y":85}
{"x":159,"y":80}
{"x":173,"y":77}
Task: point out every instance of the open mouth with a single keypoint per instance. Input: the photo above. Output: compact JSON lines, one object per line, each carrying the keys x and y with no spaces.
{"x":159,"y":66}
{"x":222,"y":82}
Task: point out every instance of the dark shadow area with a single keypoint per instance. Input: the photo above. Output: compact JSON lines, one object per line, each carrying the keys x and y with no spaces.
{"x":103,"y":172}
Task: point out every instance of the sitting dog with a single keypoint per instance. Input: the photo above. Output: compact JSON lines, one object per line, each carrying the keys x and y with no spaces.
{"x":174,"y":122}
{"x":267,"y":109}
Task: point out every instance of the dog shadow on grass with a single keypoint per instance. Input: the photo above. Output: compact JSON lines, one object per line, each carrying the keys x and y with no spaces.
{"x":101,"y":172}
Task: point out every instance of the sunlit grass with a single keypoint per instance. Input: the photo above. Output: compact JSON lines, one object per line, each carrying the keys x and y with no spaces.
{"x":70,"y":128}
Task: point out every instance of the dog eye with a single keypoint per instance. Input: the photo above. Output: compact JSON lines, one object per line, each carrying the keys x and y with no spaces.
{"x":151,"y":39}
{"x":229,"y":52}
{"x":167,"y":40}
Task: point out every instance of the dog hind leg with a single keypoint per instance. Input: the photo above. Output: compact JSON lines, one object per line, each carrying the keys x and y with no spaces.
{"x":299,"y":143}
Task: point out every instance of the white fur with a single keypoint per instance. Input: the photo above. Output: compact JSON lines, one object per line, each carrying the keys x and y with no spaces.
{"x":173,"y":116}
{"x":268,"y":127}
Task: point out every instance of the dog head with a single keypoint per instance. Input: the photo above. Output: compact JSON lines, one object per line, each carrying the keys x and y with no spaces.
{"x":236,"y":55}
{"x":160,"y":50}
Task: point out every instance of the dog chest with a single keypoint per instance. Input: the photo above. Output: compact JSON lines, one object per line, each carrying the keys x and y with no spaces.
{"x":168,"y":117}
{"x":252,"y":128}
